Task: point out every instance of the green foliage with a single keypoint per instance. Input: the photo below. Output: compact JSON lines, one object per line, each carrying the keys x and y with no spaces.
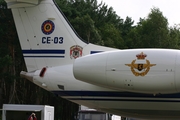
{"x":152,"y":32}
{"x":86,"y":28}
{"x":111,"y":36}
{"x":127,"y":33}
{"x":94,"y":21}
{"x":99,"y":24}
{"x":174,"y":37}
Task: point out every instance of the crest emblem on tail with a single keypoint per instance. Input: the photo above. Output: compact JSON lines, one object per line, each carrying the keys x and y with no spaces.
{"x":75,"y":51}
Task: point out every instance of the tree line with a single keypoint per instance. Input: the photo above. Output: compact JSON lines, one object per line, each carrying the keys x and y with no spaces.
{"x":99,"y":24}
{"x":95,"y":23}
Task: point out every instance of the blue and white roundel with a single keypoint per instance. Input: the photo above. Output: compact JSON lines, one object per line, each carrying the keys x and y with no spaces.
{"x":47,"y":27}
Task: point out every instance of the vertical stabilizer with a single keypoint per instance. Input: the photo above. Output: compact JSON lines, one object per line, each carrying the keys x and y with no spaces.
{"x":45,"y":36}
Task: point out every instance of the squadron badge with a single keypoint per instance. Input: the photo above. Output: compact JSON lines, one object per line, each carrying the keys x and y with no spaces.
{"x":140,"y":69}
{"x":75,"y":51}
{"x":47,"y":27}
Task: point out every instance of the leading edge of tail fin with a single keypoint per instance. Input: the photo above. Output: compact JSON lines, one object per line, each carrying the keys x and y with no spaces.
{"x":45,"y":35}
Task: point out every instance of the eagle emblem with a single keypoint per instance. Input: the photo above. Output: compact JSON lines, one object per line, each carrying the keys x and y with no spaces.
{"x":140,"y":69}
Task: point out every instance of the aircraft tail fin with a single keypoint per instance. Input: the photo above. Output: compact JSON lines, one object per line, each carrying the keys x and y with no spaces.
{"x":46,"y":37}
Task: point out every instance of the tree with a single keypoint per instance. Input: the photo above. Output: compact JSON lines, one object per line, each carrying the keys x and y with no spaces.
{"x":153,"y":31}
{"x":85,"y":27}
{"x":174,"y":40}
{"x":127,"y":33}
{"x":94,"y":21}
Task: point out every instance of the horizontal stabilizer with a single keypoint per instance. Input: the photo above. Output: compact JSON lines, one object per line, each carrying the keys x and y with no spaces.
{"x":27,"y":75}
{"x":21,"y":3}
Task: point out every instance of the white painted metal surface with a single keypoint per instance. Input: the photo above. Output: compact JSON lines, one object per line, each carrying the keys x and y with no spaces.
{"x":119,"y":70}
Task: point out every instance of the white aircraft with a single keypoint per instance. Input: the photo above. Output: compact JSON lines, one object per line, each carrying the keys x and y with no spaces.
{"x":141,"y":83}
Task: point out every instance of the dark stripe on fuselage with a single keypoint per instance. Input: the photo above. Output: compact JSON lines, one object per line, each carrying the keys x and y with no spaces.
{"x":43,"y":51}
{"x":94,"y":52}
{"x":125,"y":100}
{"x":44,"y":56}
{"x":114,"y":94}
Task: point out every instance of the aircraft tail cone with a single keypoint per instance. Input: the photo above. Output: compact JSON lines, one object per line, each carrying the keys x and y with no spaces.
{"x":27,"y":75}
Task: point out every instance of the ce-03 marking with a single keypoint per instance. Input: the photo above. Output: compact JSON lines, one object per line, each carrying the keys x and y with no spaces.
{"x":50,"y":40}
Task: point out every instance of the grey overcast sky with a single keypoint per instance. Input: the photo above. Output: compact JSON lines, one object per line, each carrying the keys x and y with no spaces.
{"x":141,"y":8}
